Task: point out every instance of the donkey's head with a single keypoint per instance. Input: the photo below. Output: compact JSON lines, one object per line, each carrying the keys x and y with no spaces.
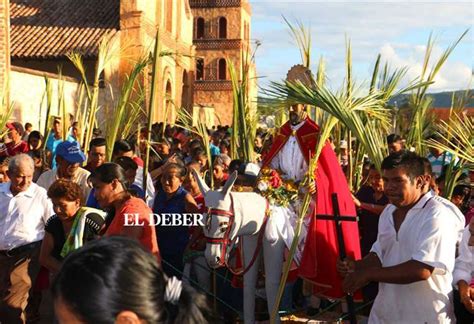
{"x":219,"y":220}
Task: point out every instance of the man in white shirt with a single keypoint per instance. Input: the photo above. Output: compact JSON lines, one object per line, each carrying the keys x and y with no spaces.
{"x":24,"y":210}
{"x":464,"y":277}
{"x":69,"y":158}
{"x":413,"y":257}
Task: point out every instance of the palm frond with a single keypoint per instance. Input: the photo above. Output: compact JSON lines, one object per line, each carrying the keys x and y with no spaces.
{"x":302,"y":37}
{"x":6,"y":110}
{"x":244,"y":124}
{"x":185,"y":121}
{"x":117,"y":120}
{"x":457,"y":137}
{"x":49,"y":103}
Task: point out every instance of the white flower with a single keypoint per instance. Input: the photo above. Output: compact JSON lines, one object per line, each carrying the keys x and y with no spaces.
{"x":262,"y":186}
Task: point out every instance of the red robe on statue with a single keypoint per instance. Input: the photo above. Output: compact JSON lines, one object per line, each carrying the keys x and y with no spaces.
{"x":318,"y":263}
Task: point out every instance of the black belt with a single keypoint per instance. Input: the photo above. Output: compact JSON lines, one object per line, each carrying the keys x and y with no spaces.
{"x":20,"y":249}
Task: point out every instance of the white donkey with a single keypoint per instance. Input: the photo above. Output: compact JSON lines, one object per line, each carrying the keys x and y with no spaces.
{"x":242,"y":214}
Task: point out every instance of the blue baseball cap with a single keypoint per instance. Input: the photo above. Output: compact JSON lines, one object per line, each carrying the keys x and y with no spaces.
{"x":71,"y":152}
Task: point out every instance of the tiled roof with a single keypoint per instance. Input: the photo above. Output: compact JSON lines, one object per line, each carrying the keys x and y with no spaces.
{"x":53,"y":28}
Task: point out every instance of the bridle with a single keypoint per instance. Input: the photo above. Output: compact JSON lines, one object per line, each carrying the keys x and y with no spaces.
{"x":226,"y":243}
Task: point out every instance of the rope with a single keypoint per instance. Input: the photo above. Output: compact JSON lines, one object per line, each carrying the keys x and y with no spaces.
{"x":202,"y":289}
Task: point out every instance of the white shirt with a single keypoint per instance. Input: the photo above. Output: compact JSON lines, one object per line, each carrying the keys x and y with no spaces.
{"x":23,"y":217}
{"x":49,"y":177}
{"x":457,"y":217}
{"x":464,"y":268}
{"x":290,"y":160}
{"x":150,"y":188}
{"x":426,"y":235}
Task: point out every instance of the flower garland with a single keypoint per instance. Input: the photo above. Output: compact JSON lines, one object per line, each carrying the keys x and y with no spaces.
{"x":278,"y":191}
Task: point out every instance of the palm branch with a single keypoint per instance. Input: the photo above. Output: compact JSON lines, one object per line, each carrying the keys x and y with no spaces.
{"x":302,"y":37}
{"x":6,"y":111}
{"x":117,"y":123}
{"x":244,"y":122}
{"x":419,"y":102}
{"x":108,"y":50}
{"x":185,"y":121}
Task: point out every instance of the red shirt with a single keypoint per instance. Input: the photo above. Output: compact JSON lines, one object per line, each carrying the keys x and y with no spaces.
{"x":138,"y":161}
{"x":21,"y":147}
{"x":136,"y":206}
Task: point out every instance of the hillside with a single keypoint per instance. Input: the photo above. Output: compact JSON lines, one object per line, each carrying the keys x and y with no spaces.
{"x":441,"y":99}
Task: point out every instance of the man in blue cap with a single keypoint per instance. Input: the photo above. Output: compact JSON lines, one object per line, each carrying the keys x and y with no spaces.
{"x":69,"y":159}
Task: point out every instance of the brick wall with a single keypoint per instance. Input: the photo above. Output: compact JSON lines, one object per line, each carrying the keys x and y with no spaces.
{"x":4,"y":44}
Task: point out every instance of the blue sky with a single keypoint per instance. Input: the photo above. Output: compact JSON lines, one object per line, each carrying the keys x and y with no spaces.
{"x":399,"y":30}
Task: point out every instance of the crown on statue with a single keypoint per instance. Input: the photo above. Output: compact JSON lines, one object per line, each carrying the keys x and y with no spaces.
{"x":300,"y":73}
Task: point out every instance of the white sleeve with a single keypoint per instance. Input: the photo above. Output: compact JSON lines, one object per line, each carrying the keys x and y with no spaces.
{"x":464,"y":262}
{"x":436,"y":241}
{"x":150,"y":191}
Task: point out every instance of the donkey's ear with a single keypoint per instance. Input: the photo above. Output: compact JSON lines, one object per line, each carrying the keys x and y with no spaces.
{"x":229,"y":183}
{"x":201,"y":183}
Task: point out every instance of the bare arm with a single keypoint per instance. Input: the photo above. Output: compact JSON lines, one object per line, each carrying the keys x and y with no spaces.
{"x":45,"y":257}
{"x":347,"y":266}
{"x":404,"y":273}
{"x":373,"y":208}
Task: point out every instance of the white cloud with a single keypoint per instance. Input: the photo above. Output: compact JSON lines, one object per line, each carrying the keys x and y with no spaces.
{"x":371,"y":26}
{"x":453,"y":75}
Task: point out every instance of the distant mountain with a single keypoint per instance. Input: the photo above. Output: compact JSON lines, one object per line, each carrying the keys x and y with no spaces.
{"x":441,"y":99}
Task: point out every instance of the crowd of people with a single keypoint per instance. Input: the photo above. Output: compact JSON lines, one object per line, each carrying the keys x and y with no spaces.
{"x":62,"y":207}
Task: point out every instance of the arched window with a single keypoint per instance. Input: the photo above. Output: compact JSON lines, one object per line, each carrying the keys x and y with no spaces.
{"x":200,"y":69}
{"x":199,"y":28}
{"x":222,"y":27}
{"x":222,"y":69}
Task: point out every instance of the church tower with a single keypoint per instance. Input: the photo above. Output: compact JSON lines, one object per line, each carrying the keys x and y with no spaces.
{"x":221,"y":31}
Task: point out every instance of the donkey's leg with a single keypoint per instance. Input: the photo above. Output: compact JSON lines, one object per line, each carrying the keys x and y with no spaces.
{"x":273,"y":259}
{"x":250,"y":277}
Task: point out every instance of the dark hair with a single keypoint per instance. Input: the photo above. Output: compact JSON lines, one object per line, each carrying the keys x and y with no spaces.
{"x":461,"y":190}
{"x":234,"y":165}
{"x":35,"y":134}
{"x":122,"y":146}
{"x":111,"y":275}
{"x":198,"y":151}
{"x":28,"y":125}
{"x":126,"y":163}
{"x":392,"y":138}
{"x":66,"y":189}
{"x":408,"y":161}
{"x":427,"y":169}
{"x":36,"y":154}
{"x":108,"y":172}
{"x":98,"y":141}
